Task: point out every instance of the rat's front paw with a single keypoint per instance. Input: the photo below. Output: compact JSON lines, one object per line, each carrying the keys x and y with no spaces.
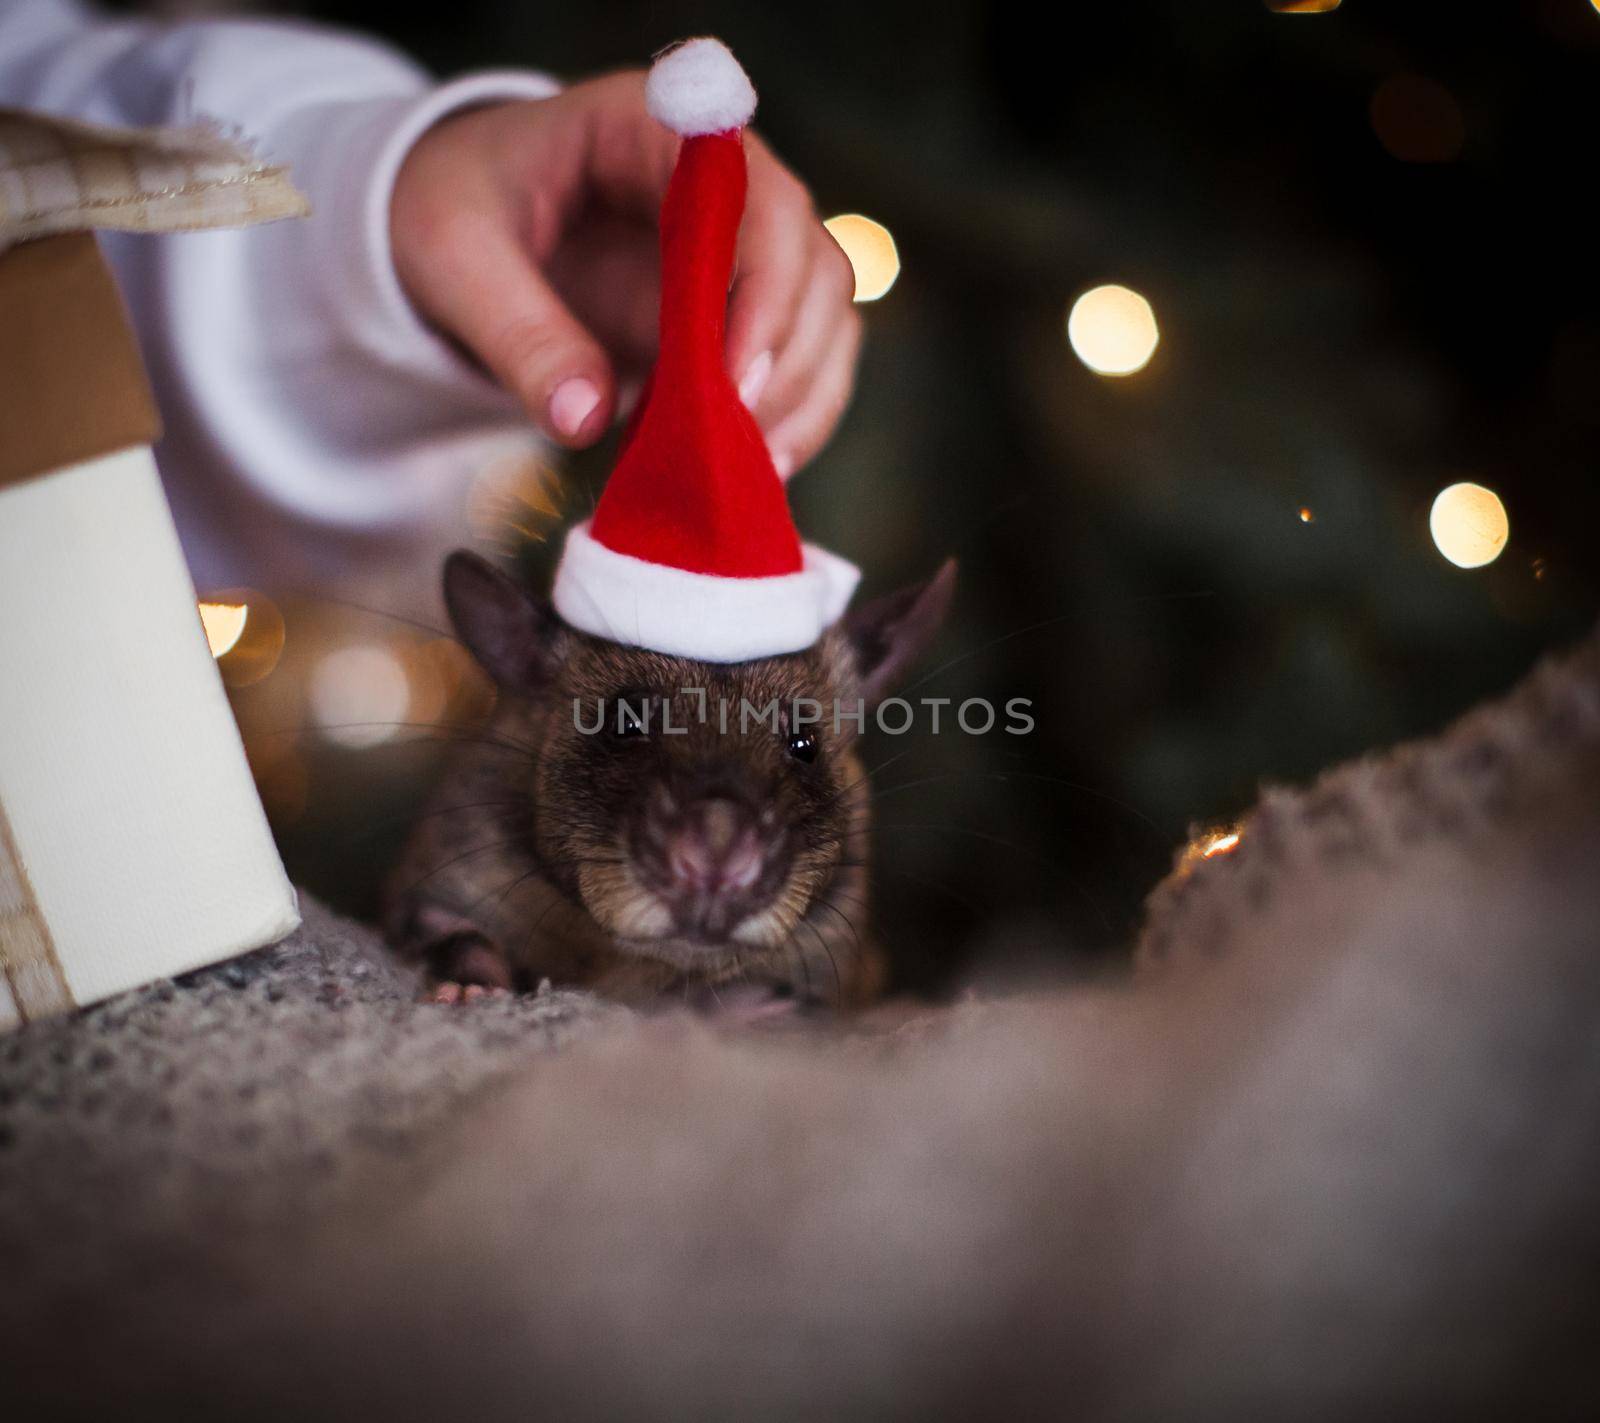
{"x":466,"y":968}
{"x":453,"y":992}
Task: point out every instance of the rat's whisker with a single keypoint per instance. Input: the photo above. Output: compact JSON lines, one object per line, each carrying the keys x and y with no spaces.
{"x":867,"y":773}
{"x":849,"y":924}
{"x":521,"y":806}
{"x":859,"y":781}
{"x":1037,"y":627}
{"x":500,"y":898}
{"x":838,"y":982}
{"x":923,"y":882}
{"x":454,"y":735}
{"x":393,"y":617}
{"x":800,"y":958}
{"x":465,"y":855}
{"x":1035,"y":777}
{"x":1028,"y":850}
{"x":387,"y":822}
{"x":864,"y":908}
{"x":461,"y":731}
{"x":967,"y":656}
{"x":848,"y":898}
{"x":538,"y":924}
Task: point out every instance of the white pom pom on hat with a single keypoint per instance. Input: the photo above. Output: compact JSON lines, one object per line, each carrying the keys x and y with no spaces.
{"x":699,"y":87}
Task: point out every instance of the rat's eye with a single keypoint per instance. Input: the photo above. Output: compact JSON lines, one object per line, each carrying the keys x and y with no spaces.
{"x":629,"y":719}
{"x":803,"y":746}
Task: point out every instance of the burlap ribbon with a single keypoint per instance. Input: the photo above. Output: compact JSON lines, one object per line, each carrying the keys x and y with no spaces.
{"x":58,"y":175}
{"x":33,"y":984}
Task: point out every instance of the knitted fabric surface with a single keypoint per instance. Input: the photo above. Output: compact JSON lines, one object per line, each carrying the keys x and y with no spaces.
{"x":1332,"y":1151}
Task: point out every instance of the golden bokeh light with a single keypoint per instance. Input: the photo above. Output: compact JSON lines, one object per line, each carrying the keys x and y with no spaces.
{"x":1307,"y":7}
{"x":1306,"y":516}
{"x":1469,"y":525}
{"x":870,"y":247}
{"x":1113,"y":330}
{"x":246,"y":633}
{"x":359,"y":695}
{"x":1417,"y":120}
{"x":224,"y":624}
{"x":1208,"y":845}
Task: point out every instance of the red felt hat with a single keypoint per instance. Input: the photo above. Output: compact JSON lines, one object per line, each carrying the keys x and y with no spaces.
{"x":692,"y":550}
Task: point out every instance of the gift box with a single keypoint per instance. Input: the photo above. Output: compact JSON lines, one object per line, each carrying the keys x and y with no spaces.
{"x":132,"y":842}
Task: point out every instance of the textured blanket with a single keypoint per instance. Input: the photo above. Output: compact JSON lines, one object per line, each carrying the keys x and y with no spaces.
{"x":1332,"y":1149}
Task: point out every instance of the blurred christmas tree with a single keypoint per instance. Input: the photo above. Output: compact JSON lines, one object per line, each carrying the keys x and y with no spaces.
{"x":1363,"y":236}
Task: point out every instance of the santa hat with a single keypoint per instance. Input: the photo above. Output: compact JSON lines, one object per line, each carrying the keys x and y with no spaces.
{"x":692,"y":550}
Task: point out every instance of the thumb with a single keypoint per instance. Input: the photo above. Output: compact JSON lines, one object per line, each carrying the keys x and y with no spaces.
{"x":481,"y":287}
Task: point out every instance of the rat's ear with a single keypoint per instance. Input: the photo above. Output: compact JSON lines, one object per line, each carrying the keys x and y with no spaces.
{"x":510,"y":630}
{"x":890,"y":633}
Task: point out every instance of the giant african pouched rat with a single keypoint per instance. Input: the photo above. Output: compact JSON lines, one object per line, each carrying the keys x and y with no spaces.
{"x":625,"y":823}
{"x":656,"y":805}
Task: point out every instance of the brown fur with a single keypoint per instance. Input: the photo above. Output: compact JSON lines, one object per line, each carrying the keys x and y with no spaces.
{"x":528,"y":863}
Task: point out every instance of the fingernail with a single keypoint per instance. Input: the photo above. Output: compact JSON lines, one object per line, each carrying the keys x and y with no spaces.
{"x":783,"y":462}
{"x":755,"y":379}
{"x":573,"y":402}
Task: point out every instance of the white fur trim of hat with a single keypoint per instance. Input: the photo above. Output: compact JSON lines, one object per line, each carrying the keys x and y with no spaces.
{"x":699,"y":615}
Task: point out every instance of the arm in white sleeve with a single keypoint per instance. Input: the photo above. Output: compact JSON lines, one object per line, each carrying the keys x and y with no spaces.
{"x":319,"y":435}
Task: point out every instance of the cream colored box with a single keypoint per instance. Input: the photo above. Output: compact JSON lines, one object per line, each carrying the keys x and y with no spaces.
{"x":132,"y":842}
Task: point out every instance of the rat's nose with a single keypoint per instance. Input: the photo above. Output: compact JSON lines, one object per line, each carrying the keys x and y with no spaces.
{"x":714,"y":849}
{"x":710,"y":860}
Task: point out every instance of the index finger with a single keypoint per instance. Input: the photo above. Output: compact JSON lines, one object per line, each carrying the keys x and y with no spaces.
{"x":773,"y":258}
{"x":631,"y":161}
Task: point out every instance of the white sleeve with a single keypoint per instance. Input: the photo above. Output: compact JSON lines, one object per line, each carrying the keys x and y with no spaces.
{"x":319,"y":435}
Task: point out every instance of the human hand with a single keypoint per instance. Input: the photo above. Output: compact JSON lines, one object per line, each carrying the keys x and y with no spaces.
{"x":527,"y":232}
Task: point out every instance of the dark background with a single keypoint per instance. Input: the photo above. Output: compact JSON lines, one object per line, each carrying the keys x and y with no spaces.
{"x":1345,"y":328}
